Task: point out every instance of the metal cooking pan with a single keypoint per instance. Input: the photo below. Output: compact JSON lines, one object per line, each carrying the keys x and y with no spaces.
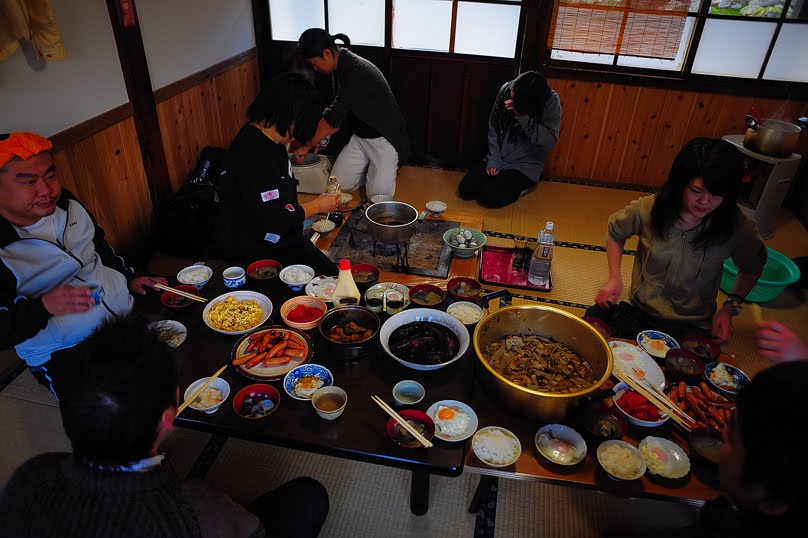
{"x":771,"y":137}
{"x":404,"y":215}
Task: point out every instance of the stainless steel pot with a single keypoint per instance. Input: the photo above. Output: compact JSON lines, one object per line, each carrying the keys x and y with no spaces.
{"x":403,"y":215}
{"x":552,"y":323}
{"x":771,"y":137}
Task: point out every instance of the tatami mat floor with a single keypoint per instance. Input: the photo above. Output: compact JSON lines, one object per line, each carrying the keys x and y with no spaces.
{"x":370,"y":500}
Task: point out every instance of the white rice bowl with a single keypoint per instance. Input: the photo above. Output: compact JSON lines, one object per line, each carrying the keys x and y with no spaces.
{"x":496,"y":446}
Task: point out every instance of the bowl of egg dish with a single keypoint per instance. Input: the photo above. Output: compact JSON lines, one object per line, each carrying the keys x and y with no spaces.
{"x":664,"y":458}
{"x":560,"y":444}
{"x":303,"y":381}
{"x":454,"y":421}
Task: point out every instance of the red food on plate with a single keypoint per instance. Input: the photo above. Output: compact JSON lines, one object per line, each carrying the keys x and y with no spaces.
{"x":638,"y":406}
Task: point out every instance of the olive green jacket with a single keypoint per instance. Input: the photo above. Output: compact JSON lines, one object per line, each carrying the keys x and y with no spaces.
{"x":672,"y":278}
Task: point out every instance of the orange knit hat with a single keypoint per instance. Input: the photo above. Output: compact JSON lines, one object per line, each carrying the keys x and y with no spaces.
{"x":22,"y":145}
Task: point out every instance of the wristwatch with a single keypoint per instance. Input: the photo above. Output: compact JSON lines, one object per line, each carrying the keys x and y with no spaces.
{"x":736,"y":301}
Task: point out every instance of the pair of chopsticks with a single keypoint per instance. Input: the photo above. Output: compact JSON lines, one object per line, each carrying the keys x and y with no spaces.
{"x":180,"y":292}
{"x":657,"y":398}
{"x":404,"y":424}
{"x":198,"y":391}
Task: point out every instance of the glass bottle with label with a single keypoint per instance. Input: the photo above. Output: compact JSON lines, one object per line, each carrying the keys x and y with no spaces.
{"x":539,"y":273}
{"x":333,"y":187}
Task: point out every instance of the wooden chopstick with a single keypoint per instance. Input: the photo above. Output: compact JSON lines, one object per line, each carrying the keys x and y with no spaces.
{"x":665,"y":399}
{"x":180,"y":292}
{"x":664,"y":405}
{"x":197,"y":392}
{"x":404,"y":424}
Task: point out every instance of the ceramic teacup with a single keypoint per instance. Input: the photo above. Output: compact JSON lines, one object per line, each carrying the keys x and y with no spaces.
{"x":234,"y":277}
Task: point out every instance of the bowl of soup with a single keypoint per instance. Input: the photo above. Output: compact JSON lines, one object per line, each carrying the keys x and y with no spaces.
{"x":365,"y":275}
{"x":264,"y":269}
{"x":464,"y":289}
{"x":427,"y":295}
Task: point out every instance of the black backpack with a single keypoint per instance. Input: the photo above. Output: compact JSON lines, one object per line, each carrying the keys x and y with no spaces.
{"x":186,"y":223}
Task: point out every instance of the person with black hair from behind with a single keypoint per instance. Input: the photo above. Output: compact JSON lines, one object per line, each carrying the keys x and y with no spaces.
{"x":763,"y":471}
{"x":364,"y":101}
{"x":522,"y":129}
{"x":685,"y":231}
{"x":118,"y":402}
{"x":260,"y":214}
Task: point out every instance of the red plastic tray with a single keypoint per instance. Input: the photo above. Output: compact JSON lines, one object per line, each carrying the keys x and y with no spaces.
{"x":495,"y":267}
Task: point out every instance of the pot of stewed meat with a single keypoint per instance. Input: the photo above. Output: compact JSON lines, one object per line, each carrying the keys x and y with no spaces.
{"x":540,"y":361}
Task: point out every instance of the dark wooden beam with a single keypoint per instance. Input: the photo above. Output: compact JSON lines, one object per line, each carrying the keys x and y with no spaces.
{"x":139,"y":89}
{"x":263,"y":38}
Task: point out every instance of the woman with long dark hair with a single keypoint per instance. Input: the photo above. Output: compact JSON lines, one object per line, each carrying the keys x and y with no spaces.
{"x":686,"y":232}
{"x":365,"y":103}
{"x":522,"y":128}
{"x":261,"y":216}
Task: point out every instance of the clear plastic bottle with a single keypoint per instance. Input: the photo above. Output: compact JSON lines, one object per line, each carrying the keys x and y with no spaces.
{"x":333,"y":187}
{"x":539,"y":273}
{"x":345,"y":292}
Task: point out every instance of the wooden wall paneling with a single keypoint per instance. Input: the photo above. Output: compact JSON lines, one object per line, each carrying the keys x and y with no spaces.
{"x":445,"y":107}
{"x":703,"y":115}
{"x":185,"y":129}
{"x":567,"y":91}
{"x":614,"y":137}
{"x":593,"y":103}
{"x":644,"y":128}
{"x":409,"y":80}
{"x":481,"y":86}
{"x":669,"y":139}
{"x":105,"y":172}
{"x":732,"y":118}
{"x":234,"y":91}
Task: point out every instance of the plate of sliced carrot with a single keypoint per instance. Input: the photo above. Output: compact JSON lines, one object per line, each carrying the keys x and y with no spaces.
{"x":271,"y":352}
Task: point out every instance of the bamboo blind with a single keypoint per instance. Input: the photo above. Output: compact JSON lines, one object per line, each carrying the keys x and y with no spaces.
{"x":645,"y":28}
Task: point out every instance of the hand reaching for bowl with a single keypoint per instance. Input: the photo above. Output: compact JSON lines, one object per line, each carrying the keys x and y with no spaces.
{"x":610,"y":292}
{"x":300,"y":153}
{"x":778,"y":343}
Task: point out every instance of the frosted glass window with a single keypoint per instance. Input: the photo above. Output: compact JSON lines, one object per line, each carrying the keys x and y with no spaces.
{"x":733,"y":48}
{"x":658,"y":63}
{"x":785,"y":63}
{"x":486,"y":29}
{"x":290,"y":18}
{"x":360,"y":20}
{"x":422,"y":24}
{"x":796,"y":10}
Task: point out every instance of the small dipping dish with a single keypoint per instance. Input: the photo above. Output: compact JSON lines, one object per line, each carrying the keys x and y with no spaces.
{"x":726,"y":379}
{"x":329,"y":402}
{"x":408,"y":392}
{"x":560,"y":444}
{"x":436,"y":207}
{"x":376,"y":198}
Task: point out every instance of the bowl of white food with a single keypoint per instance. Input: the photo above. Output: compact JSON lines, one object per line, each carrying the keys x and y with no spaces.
{"x":297,"y":276}
{"x":195,"y":275}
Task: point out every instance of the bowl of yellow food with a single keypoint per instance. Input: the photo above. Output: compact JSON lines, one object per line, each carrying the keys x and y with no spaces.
{"x":237,"y":312}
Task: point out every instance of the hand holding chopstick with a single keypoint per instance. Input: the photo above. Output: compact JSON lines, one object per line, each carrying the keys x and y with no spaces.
{"x":198,"y":391}
{"x":404,"y":424}
{"x":181,"y":293}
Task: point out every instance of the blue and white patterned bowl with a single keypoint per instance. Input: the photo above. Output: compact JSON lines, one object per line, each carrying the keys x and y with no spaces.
{"x":296,"y":374}
{"x":656,"y":343}
{"x":739,"y":379}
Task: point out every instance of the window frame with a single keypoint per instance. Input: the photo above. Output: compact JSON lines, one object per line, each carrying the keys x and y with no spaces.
{"x":388,"y":31}
{"x":684,"y":79}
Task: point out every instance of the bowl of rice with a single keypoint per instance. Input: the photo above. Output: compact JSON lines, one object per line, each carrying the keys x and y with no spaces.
{"x":465,"y":312}
{"x":496,"y":446}
{"x":621,"y":460}
{"x":211,"y":398}
{"x":297,"y":276}
{"x":195,"y":275}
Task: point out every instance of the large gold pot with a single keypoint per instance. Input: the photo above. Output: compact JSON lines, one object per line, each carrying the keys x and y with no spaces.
{"x":548,"y":322}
